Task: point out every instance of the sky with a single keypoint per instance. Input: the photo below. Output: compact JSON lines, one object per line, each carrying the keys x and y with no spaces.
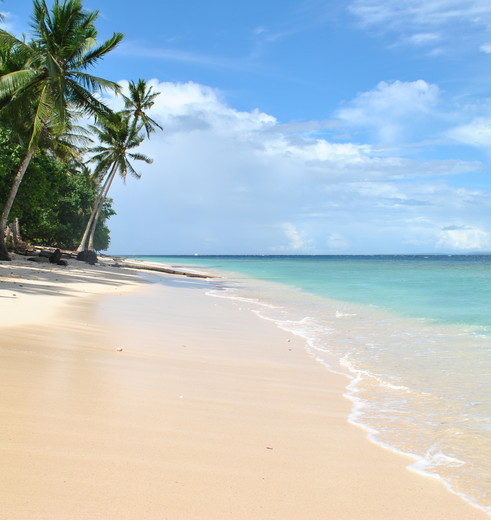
{"x":303,"y":126}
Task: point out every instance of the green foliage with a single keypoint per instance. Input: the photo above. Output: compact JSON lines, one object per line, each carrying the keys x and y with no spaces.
{"x":117,"y":135}
{"x":53,"y":203}
{"x":48,"y":73}
{"x":45,"y":87}
{"x":11,"y":154}
{"x":140,"y":99}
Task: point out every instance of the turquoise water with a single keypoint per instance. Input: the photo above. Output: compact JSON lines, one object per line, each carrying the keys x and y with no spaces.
{"x":450,"y":289}
{"x":412,"y":334}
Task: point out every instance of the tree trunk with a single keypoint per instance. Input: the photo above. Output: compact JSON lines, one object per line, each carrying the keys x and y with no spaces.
{"x":90,"y":242}
{"x":16,"y":238}
{"x":83,"y":242}
{"x":90,"y":245}
{"x":85,"y":236}
{"x":4,"y":254}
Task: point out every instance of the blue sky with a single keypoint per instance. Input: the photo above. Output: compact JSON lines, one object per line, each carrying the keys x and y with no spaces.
{"x":304,"y":126}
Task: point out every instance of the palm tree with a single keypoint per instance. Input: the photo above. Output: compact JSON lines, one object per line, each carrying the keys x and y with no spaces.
{"x":140,"y":99}
{"x":117,"y":135}
{"x":53,"y":78}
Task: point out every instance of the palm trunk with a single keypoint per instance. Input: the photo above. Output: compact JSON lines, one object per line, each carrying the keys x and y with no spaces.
{"x":4,"y":254}
{"x":88,"y":227}
{"x":16,"y":238}
{"x":90,"y":243}
{"x":90,"y":246}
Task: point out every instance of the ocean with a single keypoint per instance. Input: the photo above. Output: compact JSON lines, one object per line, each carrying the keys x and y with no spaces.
{"x":412,"y":335}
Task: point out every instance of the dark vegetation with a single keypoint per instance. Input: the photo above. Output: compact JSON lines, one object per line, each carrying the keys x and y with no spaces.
{"x":55,"y":176}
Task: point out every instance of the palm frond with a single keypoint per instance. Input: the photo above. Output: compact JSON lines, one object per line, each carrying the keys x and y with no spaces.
{"x":141,"y":157}
{"x":84,"y":101}
{"x":89,"y":59}
{"x":9,"y":41}
{"x":15,"y":81}
{"x":94,"y":83}
{"x":43,"y":111}
{"x":132,"y":171}
{"x":150,"y":125}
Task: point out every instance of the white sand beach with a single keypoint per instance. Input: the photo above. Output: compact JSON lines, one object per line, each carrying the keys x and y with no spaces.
{"x":122,"y":399}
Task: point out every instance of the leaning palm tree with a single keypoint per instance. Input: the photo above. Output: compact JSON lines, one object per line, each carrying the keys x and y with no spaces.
{"x":140,"y":99}
{"x":53,"y":77}
{"x":117,"y":135}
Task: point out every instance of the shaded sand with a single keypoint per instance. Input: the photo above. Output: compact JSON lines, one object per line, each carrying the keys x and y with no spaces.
{"x":31,"y":292}
{"x":208,"y":412}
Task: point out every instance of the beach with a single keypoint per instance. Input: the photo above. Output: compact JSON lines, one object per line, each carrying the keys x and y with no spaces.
{"x":126,"y":396}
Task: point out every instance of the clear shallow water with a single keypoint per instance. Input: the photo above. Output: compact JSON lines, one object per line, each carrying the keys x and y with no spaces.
{"x":413,"y":334}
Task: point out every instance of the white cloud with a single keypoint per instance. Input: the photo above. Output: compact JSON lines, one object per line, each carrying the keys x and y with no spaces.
{"x":476,"y":133}
{"x":464,"y":239}
{"x":297,"y":240}
{"x":486,"y":48}
{"x":391,"y":107}
{"x":422,"y":13}
{"x":424,"y":38}
{"x":411,"y":19}
{"x":230,"y":181}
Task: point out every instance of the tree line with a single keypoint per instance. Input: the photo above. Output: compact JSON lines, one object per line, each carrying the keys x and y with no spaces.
{"x":55,"y":173}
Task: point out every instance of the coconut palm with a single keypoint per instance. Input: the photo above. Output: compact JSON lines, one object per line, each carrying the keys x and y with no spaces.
{"x":117,"y":135}
{"x":140,"y":99}
{"x":53,"y":78}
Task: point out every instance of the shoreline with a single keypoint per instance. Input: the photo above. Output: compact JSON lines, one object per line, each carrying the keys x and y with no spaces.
{"x":208,"y":411}
{"x":417,"y":461}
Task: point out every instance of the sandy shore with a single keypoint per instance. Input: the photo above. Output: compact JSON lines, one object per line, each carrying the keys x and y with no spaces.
{"x":121,"y":399}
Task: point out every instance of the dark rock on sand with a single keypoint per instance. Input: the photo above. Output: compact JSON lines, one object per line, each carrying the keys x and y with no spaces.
{"x":55,"y":257}
{"x":87,"y":256}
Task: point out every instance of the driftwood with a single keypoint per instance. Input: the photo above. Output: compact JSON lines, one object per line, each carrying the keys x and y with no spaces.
{"x":54,"y":258}
{"x":45,"y":251}
{"x":160,"y":269}
{"x":39,"y":259}
{"x":42,"y":254}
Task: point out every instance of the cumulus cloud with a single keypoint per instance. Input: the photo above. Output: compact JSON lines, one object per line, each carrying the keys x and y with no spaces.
{"x":476,"y":133}
{"x":391,"y":107}
{"x":297,"y":240}
{"x":231,"y":181}
{"x":464,"y":239}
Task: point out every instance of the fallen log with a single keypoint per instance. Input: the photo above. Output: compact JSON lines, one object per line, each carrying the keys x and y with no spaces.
{"x":161,"y":269}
